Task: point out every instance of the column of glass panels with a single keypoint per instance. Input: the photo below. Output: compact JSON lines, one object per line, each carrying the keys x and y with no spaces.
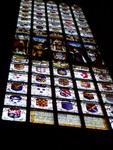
{"x":57,"y":44}
{"x":15,"y":100}
{"x":91,"y":102}
{"x":67,"y":109}
{"x":41,"y":91}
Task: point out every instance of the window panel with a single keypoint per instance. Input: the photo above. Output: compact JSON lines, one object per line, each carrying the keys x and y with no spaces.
{"x":95,"y":123}
{"x":69,"y":120}
{"x":14,"y":114}
{"x":41,"y":117}
{"x":14,"y":99}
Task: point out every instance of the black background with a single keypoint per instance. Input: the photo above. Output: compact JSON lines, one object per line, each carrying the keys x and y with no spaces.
{"x":99,"y":16}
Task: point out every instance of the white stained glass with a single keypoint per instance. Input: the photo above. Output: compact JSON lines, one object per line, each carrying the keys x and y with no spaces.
{"x":52,"y":11}
{"x":85,"y":34}
{"x":51,"y":3}
{"x":39,"y":18}
{"x":91,"y":108}
{"x":19,"y":67}
{"x":24,"y":5}
{"x":67,"y":106}
{"x":51,"y":8}
{"x":78,"y":12}
{"x":43,"y":91}
{"x":66,"y":14}
{"x":15,"y":100}
{"x":105,"y":87}
{"x":42,"y":63}
{"x":61,"y":72}
{"x":64,"y":93}
{"x":81,"y":24}
{"x":82,"y":84}
{"x":54,"y":23}
{"x":81,"y":20}
{"x":16,"y":76}
{"x":100,"y":70}
{"x":39,"y":27}
{"x":24,"y":11}
{"x":109,"y":110}
{"x":85,"y":29}
{"x":39,"y":39}
{"x":53,"y":20}
{"x":19,"y":59}
{"x":40,"y":70}
{"x":80,"y":68}
{"x":71,"y":32}
{"x":78,"y":15}
{"x":13,"y":114}
{"x":38,"y":22}
{"x":25,"y":15}
{"x":111,"y":122}
{"x":88,"y":96}
{"x":92,"y":54}
{"x":52,"y":15}
{"x":40,"y":33}
{"x":41,"y":103}
{"x":82,"y":75}
{"x":103,"y":77}
{"x":16,"y":87}
{"x":55,"y":29}
{"x":39,"y":6}
{"x":63,"y":82}
{"x":59,"y":56}
{"x":24,"y":21}
{"x":68,"y":22}
{"x":67,"y":18}
{"x":90,"y":46}
{"x":95,"y":123}
{"x":107,"y":97}
{"x":23,"y":25}
{"x":40,"y":79}
{"x":39,"y":12}
{"x":71,"y":27}
{"x":41,"y":117}
{"x":69,"y":120}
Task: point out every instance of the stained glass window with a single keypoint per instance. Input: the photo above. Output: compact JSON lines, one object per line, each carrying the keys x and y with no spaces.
{"x":57,"y":75}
